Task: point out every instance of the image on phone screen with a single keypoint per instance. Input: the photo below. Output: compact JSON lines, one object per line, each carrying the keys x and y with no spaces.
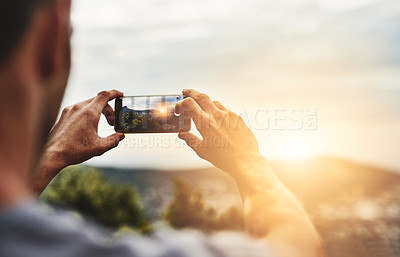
{"x":149,"y":114}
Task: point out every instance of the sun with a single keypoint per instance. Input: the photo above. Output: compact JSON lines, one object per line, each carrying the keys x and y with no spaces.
{"x":161,"y":111}
{"x":297,"y":150}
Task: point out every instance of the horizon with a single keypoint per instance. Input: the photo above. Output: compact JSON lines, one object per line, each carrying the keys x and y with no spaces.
{"x":300,"y":162}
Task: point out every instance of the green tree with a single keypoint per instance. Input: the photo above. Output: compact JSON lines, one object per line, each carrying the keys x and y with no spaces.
{"x":132,"y":121}
{"x":188,"y":210}
{"x":85,"y":190}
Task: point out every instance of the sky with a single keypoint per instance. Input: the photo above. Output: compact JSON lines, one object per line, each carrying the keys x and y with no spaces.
{"x":139,"y":103}
{"x":310,"y":77}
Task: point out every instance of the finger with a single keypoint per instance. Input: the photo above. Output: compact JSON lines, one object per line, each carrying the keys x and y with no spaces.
{"x":189,"y":107}
{"x":191,"y":140}
{"x":78,"y":105}
{"x":110,"y":142}
{"x":220,"y":106}
{"x":202,"y":99}
{"x":102,"y":99}
{"x":108,"y":112}
{"x":86,"y":102}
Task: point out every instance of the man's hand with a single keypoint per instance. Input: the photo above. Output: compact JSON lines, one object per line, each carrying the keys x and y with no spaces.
{"x":271,"y":212}
{"x":75,"y":139}
{"x":227,"y":141}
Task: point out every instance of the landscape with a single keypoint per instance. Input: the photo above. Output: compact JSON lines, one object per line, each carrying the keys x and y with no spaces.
{"x":355,"y":207}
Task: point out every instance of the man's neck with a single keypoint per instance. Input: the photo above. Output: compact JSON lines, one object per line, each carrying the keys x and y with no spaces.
{"x":13,"y":190}
{"x":17,"y":134}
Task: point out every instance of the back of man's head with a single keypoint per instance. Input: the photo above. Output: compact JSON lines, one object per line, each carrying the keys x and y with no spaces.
{"x":34,"y":70}
{"x":15,"y":17}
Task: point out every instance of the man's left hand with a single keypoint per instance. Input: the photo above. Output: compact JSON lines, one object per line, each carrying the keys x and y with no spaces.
{"x":75,"y":139}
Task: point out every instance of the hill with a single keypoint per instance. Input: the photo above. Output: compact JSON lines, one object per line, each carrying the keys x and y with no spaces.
{"x":316,"y":182}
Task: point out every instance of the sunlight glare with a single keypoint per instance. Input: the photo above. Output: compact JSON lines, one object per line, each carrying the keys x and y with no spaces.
{"x":297,"y":150}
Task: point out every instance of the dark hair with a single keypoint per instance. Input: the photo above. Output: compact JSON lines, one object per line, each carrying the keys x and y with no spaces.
{"x":15,"y":16}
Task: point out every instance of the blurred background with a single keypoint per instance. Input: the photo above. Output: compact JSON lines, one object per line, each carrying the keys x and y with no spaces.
{"x":317,"y":81}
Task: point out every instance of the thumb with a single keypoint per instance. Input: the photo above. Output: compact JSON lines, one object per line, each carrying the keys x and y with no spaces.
{"x":112,"y":141}
{"x":191,"y":140}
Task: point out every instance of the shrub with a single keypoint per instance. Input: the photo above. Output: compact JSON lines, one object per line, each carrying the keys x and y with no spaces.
{"x":188,"y":210}
{"x":85,"y":190}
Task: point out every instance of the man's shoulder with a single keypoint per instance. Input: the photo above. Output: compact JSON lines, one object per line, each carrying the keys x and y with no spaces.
{"x":40,"y":230}
{"x":39,"y":218}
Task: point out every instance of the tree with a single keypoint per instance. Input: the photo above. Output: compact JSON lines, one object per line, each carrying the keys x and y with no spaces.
{"x":133,"y":121}
{"x":188,"y":210}
{"x":85,"y":190}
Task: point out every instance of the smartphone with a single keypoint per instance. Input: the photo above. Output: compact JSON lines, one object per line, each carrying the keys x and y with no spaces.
{"x":150,"y":114}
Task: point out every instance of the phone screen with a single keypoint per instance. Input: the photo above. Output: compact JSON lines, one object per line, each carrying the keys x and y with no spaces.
{"x":149,"y":114}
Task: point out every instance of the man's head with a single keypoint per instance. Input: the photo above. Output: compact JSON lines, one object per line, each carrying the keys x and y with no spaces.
{"x":34,"y":69}
{"x":15,"y":17}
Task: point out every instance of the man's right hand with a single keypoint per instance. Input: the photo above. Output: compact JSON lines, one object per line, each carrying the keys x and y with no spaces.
{"x":227,"y":141}
{"x":271,"y":212}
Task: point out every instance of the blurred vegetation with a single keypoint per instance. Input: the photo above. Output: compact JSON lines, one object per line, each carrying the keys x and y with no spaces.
{"x":85,"y":190}
{"x":118,"y":206}
{"x":188,"y":210}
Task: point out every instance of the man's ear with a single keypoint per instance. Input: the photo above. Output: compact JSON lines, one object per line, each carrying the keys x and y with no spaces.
{"x":54,"y":38}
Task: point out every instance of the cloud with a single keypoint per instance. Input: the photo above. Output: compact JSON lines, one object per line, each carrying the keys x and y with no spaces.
{"x":340,"y":56}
